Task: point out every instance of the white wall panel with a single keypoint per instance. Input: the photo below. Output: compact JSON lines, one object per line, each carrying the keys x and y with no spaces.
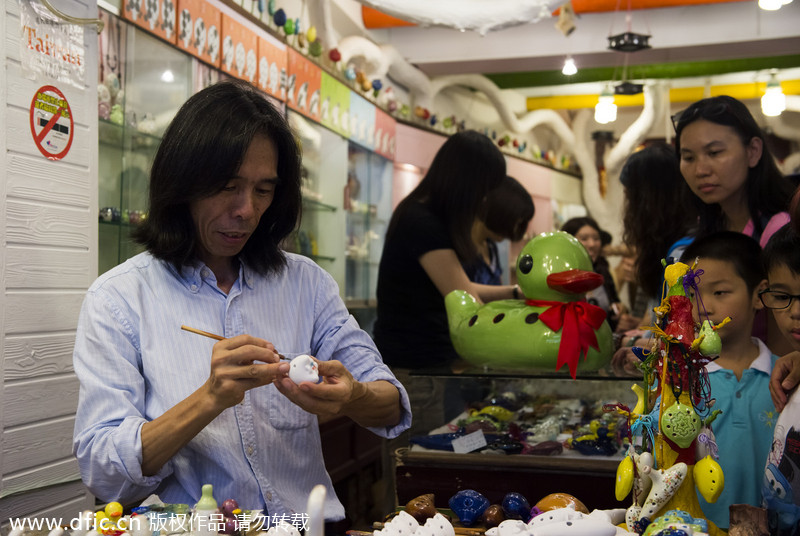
{"x":37,"y":444}
{"x":48,"y":246}
{"x":40,"y":399}
{"x":32,"y":356}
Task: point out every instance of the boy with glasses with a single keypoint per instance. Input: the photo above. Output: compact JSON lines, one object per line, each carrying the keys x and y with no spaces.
{"x":781,"y":489}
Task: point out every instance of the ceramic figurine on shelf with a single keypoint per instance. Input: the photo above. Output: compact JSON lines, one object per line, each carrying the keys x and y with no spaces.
{"x":678,"y":450}
{"x":554,"y":326}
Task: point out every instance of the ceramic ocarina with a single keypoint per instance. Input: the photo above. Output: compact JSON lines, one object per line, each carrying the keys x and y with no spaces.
{"x":303,"y":369}
{"x":468,"y":505}
{"x":709,"y":478}
{"x":493,"y":516}
{"x":404,"y":524}
{"x":516,"y":506}
{"x":422,"y":507}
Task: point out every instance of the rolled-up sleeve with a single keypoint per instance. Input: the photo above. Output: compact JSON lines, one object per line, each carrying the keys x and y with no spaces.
{"x":338,"y":336}
{"x":107,"y":436}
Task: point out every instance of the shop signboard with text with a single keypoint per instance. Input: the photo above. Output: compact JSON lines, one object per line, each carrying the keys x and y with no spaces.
{"x":239,"y":49}
{"x":273,"y":67}
{"x":304,"y":92}
{"x":156,"y":16}
{"x":200,"y":30}
{"x":335,"y":105}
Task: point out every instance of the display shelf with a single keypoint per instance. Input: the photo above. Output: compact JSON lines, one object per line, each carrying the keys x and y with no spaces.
{"x":324,"y":258}
{"x":113,"y":134}
{"x":464,"y":369}
{"x":313,"y":204}
{"x":589,"y":478}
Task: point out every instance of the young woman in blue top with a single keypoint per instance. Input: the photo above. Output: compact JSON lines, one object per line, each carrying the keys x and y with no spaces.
{"x":732,"y":277}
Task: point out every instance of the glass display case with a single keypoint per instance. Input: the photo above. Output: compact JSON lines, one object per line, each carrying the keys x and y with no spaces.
{"x":549,"y":408}
{"x":141,"y":85}
{"x":321,"y":232}
{"x":367,"y":199}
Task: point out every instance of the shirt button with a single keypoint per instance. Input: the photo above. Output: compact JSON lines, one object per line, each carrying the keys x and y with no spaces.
{"x":269,"y":496}
{"x":194,"y":288}
{"x":249,"y":451}
{"x":204,"y":273}
{"x":738,"y":394}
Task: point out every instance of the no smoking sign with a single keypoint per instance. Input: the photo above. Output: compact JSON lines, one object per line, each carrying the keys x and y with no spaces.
{"x":52,"y":126}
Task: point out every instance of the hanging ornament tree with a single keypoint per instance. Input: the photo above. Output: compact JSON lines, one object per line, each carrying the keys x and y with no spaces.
{"x":672,"y":450}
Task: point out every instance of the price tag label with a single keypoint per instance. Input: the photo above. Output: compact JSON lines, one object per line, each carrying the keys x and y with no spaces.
{"x":469,"y":442}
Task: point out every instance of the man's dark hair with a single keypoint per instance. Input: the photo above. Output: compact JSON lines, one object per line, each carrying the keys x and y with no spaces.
{"x":202,"y":149}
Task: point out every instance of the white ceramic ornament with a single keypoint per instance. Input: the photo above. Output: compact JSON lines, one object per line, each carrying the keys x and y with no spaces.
{"x":665,"y":483}
{"x":303,"y":369}
{"x":403,"y":524}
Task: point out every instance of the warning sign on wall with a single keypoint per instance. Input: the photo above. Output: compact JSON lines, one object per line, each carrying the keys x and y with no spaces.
{"x":51,"y":122}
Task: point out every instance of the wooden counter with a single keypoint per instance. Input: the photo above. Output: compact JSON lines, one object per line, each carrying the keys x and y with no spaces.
{"x":589,"y":478}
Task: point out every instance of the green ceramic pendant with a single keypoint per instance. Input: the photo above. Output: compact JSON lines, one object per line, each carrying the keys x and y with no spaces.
{"x":681,"y":424}
{"x":712,"y":344}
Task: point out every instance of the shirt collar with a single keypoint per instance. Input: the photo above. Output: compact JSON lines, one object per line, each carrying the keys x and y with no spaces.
{"x":195,"y":275}
{"x":762,"y":363}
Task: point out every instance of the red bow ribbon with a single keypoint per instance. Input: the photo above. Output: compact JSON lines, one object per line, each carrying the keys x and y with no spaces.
{"x":579,"y":320}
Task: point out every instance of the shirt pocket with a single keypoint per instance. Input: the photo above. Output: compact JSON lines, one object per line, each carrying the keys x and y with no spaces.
{"x":285,"y":414}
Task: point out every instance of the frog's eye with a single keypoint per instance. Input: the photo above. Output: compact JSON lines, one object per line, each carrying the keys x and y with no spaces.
{"x":525,"y":264}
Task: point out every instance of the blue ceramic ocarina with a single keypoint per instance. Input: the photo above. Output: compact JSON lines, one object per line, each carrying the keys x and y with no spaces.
{"x":445,"y":441}
{"x":468,"y":505}
{"x":516,"y":506}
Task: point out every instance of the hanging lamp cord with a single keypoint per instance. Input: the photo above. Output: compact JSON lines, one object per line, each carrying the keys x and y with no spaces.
{"x":69,"y":18}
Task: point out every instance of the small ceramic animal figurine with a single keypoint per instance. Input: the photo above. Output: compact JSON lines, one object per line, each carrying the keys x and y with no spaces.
{"x":304,"y":369}
{"x":554,"y":326}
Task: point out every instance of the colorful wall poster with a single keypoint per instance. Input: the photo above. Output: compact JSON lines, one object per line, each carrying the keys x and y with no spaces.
{"x":335,"y":105}
{"x":199,"y":27}
{"x":272,"y":66}
{"x":304,"y":86}
{"x":239,"y":49}
{"x":155,"y":16}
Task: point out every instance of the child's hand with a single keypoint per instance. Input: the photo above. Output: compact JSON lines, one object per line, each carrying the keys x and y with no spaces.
{"x":785,"y":377}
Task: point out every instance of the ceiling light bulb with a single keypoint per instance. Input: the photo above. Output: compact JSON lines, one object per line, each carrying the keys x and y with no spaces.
{"x":605,"y":111}
{"x":773,"y":102}
{"x":167,"y":76}
{"x":770,"y":5}
{"x":569,"y":67}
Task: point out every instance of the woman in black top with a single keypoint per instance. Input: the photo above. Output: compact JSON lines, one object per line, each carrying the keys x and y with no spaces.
{"x":427,"y":240}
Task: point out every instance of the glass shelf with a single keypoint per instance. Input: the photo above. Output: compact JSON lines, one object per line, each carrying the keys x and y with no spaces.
{"x":313,"y":204}
{"x":463,"y":369}
{"x":322,"y":258}
{"x":114,"y":135}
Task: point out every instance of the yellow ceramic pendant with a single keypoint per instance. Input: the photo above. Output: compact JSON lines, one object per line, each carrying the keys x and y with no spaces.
{"x":624,"y":482}
{"x":709,"y":478}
